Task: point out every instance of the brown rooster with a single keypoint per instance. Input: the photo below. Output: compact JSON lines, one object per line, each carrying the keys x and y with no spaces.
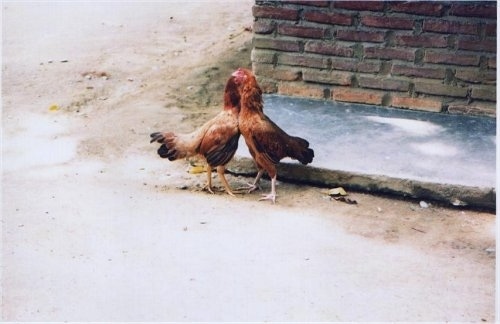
{"x":267,"y":143}
{"x":216,"y":140}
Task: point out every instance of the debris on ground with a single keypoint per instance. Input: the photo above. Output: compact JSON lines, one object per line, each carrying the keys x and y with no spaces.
{"x":423,"y":204}
{"x":335,"y":192}
{"x":339,"y":194}
{"x":458,"y":202}
{"x":195,"y":169}
{"x":490,"y":250}
{"x":54,"y":108}
{"x":95,"y":74}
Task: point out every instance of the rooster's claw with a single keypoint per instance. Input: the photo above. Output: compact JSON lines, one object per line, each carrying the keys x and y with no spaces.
{"x":270,"y":196}
{"x":250,"y":187}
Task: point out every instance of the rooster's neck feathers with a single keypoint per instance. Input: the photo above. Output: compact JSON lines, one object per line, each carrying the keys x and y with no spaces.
{"x":251,"y":97}
{"x":231,"y":95}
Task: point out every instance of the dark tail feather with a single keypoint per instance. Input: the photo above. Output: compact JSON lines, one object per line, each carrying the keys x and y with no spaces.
{"x":165,"y":153}
{"x":167,"y":149}
{"x":156,"y":137}
{"x":300,"y":150}
{"x":308,"y":156}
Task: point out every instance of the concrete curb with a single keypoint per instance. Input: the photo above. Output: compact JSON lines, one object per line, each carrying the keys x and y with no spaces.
{"x":457,"y":195}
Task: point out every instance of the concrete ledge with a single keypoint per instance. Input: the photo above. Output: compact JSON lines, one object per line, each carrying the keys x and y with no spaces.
{"x":452,"y":194}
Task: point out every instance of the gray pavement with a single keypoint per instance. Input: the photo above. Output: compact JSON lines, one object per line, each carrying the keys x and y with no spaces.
{"x":448,"y":157}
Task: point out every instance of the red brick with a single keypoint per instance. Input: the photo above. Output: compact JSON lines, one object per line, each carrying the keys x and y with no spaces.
{"x":301,"y":89}
{"x":451,"y":58}
{"x":438,"y":88}
{"x":423,"y":40}
{"x":267,"y":85}
{"x":328,"y":49}
{"x":369,"y":67}
{"x":418,"y":8}
{"x":417,"y":103}
{"x":452,"y":27}
{"x":286,"y":74}
{"x":262,"y":56}
{"x":263,"y":27}
{"x":473,"y":108}
{"x":419,"y":72}
{"x":303,"y":60}
{"x":355,"y":66}
{"x":490,"y":29}
{"x":492,"y":63}
{"x":390,"y":53}
{"x":277,"y":73}
{"x":276,"y":44}
{"x":345,"y":64}
{"x":330,"y":77}
{"x":474,"y":10}
{"x":360,"y":5}
{"x":360,"y":36}
{"x":301,"y":31}
{"x":328,"y":18}
{"x":275,"y":12}
{"x":263,"y":70}
{"x":383,"y":83}
{"x":488,"y":93}
{"x":358,"y":96}
{"x":387,"y":22}
{"x":476,"y":76}
{"x":477,"y":45}
{"x":308,"y":3}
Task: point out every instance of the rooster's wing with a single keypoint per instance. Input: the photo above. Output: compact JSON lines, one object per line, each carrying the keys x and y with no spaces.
{"x":220,"y":140}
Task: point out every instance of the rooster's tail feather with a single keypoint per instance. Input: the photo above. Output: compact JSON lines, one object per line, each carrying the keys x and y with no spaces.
{"x":168,"y":149}
{"x":307,"y":156}
{"x":157,"y":137}
{"x":167,"y":153}
{"x":300,"y":150}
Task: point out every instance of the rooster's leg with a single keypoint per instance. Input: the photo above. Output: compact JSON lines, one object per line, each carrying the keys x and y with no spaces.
{"x":272,"y":195}
{"x":255,"y":185}
{"x":208,"y":186}
{"x":220,"y":172}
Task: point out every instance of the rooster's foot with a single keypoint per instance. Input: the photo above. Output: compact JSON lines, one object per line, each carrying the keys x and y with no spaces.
{"x":250,"y":187}
{"x":271,"y":196}
{"x":229,"y":192}
{"x":212,"y":190}
{"x":208,"y":188}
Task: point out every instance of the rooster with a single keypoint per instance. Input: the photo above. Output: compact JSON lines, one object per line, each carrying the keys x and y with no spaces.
{"x":267,"y":143}
{"x":216,"y":140}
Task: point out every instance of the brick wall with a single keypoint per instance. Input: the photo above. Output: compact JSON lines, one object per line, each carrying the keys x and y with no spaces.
{"x":435,"y":56}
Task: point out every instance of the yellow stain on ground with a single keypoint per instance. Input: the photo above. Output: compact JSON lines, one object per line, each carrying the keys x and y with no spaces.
{"x":54,"y":107}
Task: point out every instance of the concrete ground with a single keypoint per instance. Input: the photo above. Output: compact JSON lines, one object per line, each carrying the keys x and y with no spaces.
{"x":441,"y":157}
{"x":398,"y":143}
{"x":96,"y":227}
